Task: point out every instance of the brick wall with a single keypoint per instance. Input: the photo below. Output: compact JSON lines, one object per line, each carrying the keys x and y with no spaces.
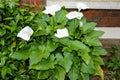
{"x":104,"y":18}
{"x":36,"y":3}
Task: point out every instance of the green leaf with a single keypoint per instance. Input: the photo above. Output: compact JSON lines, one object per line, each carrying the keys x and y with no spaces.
{"x":49,"y":30}
{"x":52,"y":21}
{"x":83,"y":20}
{"x":63,"y":41}
{"x":2,"y":42}
{"x":10,"y":47}
{"x":99,"y":51}
{"x":42,"y":23}
{"x":92,"y":41}
{"x":32,"y":15}
{"x":86,"y":57}
{"x":8,"y":18}
{"x":77,"y":45}
{"x":37,"y":53}
{"x":3,"y":72}
{"x":44,"y":74}
{"x":51,"y":46}
{"x":2,"y":32}
{"x":60,"y":17}
{"x":72,"y":26}
{"x":65,"y":61}
{"x":88,"y":26}
{"x":60,"y":73}
{"x":84,"y":76}
{"x":9,"y":71}
{"x":17,"y":78}
{"x":44,"y":64}
{"x":11,"y":5}
{"x":12,"y":66}
{"x":41,"y":51}
{"x":22,"y":71}
{"x":99,"y":72}
{"x":95,"y":34}
{"x":1,"y":5}
{"x":98,"y":60}
{"x":22,"y":54}
{"x":52,"y":77}
{"x":12,"y":27}
{"x":73,"y":73}
{"x":46,"y":17}
{"x":17,"y":18}
{"x":22,"y":44}
{"x":16,"y":0}
{"x":3,"y":61}
{"x":74,"y":44}
{"x":41,"y":32}
{"x":88,"y":68}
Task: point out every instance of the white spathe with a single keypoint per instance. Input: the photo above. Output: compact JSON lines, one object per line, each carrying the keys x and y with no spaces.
{"x":51,"y":9}
{"x":25,"y":33}
{"x":81,"y":6}
{"x":61,"y":33}
{"x":74,"y":14}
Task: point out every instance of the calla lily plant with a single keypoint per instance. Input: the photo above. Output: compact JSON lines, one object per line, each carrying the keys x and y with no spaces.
{"x":51,"y":44}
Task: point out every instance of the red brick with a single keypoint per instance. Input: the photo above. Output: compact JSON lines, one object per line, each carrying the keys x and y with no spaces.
{"x":97,"y":13}
{"x":115,"y":13}
{"x":37,"y":3}
{"x":110,"y":19}
{"x":103,"y":18}
{"x":33,"y":2}
{"x":93,"y":19}
{"x":107,"y":24}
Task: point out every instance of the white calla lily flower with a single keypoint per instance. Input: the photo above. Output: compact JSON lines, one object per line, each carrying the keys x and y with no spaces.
{"x":74,"y":14}
{"x":51,"y":9}
{"x":62,"y":33}
{"x":81,"y":6}
{"x":25,"y":33}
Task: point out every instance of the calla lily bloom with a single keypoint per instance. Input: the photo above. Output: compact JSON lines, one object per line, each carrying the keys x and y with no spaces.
{"x":51,"y":9}
{"x":81,"y":6}
{"x":25,"y":33}
{"x":74,"y":14}
{"x":62,"y":33}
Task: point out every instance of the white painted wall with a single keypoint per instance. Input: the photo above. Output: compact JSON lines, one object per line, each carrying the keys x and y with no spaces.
{"x":92,"y":4}
{"x":110,"y":32}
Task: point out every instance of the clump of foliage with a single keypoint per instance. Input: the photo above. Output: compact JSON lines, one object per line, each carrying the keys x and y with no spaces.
{"x":12,"y":19}
{"x":115,"y":50}
{"x":113,"y":63}
{"x":47,"y":55}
